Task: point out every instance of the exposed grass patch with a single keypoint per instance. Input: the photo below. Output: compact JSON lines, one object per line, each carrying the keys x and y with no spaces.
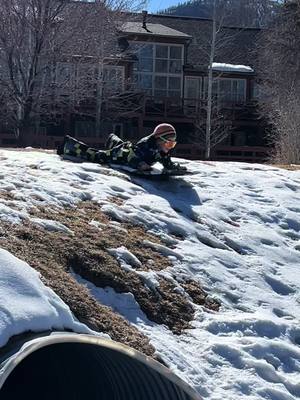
{"x":290,"y":167}
{"x":56,"y":254}
{"x":43,"y":251}
{"x":116,"y":200}
{"x":199,"y":296}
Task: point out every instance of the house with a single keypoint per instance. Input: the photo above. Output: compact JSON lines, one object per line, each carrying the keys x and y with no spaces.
{"x":160,"y":75}
{"x":172,"y":70}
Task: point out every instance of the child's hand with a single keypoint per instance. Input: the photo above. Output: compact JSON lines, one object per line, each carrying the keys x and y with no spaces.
{"x":175,"y":167}
{"x":143,"y":166}
{"x":180,"y":167}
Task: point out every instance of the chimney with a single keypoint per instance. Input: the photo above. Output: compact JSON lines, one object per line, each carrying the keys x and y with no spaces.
{"x":144,"y":14}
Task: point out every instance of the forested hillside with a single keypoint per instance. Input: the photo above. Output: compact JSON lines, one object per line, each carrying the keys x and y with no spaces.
{"x":250,"y":13}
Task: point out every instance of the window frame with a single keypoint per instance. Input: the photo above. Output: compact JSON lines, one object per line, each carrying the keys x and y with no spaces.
{"x":200,"y":82}
{"x":167,"y":74}
{"x":217,"y":80}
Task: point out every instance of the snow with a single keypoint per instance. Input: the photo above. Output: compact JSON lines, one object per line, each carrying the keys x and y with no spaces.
{"x":26,"y":304}
{"x":231,"y":67}
{"x":233,"y":227}
{"x":51,"y":226}
{"x":130,"y":262}
{"x":125,"y":257}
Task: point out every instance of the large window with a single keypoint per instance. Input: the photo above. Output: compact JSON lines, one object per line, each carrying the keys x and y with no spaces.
{"x":193,"y":92}
{"x":158,"y":70}
{"x":193,"y":87}
{"x":231,"y":90}
{"x":225,"y":90}
{"x":228,"y":90}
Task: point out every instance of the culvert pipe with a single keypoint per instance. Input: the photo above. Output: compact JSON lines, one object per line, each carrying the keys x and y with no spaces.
{"x":66,"y":366}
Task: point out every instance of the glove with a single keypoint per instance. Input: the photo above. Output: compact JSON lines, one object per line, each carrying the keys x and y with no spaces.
{"x":143,"y":166}
{"x":176,"y":167}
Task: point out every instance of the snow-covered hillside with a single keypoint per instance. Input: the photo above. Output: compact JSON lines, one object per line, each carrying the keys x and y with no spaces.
{"x":232,"y":227}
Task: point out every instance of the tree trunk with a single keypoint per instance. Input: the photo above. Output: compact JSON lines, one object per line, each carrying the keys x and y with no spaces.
{"x":209,"y":87}
{"x":23,"y":132}
{"x":99,"y":98}
{"x":100,"y":78}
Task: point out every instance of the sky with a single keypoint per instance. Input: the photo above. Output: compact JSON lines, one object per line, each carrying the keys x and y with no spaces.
{"x":157,"y":5}
{"x":234,"y":227}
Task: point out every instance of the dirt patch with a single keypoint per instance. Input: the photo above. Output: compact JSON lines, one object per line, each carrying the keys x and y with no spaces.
{"x":290,"y":167}
{"x":161,"y":305}
{"x":106,"y":236}
{"x":199,"y":296}
{"x":116,"y":200}
{"x":86,"y":252}
{"x":47,"y":259}
{"x":5,"y":195}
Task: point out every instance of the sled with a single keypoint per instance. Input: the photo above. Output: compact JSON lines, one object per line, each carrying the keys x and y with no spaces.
{"x":153,"y":174}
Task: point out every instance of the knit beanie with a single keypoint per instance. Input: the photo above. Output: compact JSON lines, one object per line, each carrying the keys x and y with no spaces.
{"x":165,"y":132}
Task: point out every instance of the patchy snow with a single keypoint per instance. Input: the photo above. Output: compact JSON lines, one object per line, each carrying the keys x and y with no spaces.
{"x":124,"y":256}
{"x":231,"y":67}
{"x":130,"y":262}
{"x":234,"y":227}
{"x":51,"y":226}
{"x":164,"y":250}
{"x":97,"y":224}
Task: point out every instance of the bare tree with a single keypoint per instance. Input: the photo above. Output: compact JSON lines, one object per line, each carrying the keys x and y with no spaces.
{"x":280,"y":76}
{"x":220,"y":128}
{"x":213,"y":44}
{"x":286,"y":134}
{"x":28,"y":33}
{"x":50,"y":62}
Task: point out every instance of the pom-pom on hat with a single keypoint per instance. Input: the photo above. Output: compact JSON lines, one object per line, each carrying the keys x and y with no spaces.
{"x":165,"y":132}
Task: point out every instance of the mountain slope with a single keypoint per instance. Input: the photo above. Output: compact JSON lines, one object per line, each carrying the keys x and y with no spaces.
{"x":250,"y":13}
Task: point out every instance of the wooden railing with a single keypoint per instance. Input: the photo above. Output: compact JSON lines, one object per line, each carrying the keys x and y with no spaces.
{"x":45,"y":141}
{"x":189,"y":151}
{"x":224,"y":153}
{"x":182,"y":107}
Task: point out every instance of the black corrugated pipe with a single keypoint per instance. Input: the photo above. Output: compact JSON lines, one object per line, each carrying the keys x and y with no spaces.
{"x":68,"y":366}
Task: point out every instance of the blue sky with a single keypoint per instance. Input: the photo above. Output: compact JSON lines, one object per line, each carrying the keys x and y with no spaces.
{"x":155,"y":5}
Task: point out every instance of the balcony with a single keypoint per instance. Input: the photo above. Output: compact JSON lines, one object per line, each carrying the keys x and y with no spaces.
{"x":168,"y":107}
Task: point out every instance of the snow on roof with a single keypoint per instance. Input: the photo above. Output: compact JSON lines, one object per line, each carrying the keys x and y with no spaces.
{"x":231,"y":67}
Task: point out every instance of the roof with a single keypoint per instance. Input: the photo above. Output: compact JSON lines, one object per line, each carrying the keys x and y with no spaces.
{"x":153,"y":29}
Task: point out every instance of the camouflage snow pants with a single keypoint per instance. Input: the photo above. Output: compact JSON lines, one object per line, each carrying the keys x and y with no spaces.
{"x":118,"y":151}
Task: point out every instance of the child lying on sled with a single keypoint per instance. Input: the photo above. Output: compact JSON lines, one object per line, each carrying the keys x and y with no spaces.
{"x":142,"y":155}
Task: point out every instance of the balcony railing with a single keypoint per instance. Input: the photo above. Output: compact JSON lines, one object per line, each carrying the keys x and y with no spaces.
{"x":189,"y":108}
{"x":224,"y":153}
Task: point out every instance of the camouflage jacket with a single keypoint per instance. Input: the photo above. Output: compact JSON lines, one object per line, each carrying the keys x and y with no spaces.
{"x":145,"y":150}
